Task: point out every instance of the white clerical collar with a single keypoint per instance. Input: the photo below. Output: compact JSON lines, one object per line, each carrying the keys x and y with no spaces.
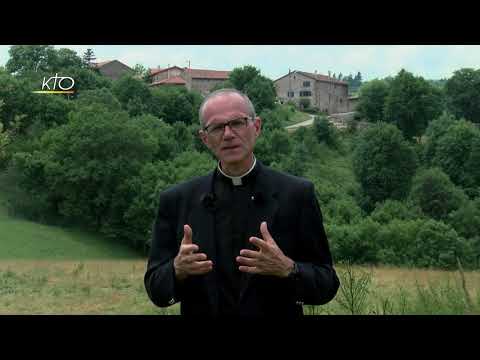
{"x":237,"y":180}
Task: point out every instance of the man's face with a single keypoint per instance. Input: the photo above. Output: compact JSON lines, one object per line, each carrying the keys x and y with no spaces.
{"x":232,"y":146}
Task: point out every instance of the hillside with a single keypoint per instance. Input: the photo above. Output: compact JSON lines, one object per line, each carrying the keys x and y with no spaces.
{"x":23,"y":240}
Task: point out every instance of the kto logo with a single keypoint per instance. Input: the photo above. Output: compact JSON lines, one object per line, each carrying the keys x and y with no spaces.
{"x":60,"y":85}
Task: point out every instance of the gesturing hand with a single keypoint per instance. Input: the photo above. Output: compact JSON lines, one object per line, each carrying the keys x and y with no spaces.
{"x":187,"y":262}
{"x":269,"y":260}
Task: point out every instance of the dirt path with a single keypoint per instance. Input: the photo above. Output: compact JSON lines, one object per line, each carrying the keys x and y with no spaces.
{"x":337,"y":120}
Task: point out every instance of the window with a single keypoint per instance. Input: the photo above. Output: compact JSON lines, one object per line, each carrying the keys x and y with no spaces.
{"x":290,"y":94}
{"x":305,"y":93}
{"x":306,"y":84}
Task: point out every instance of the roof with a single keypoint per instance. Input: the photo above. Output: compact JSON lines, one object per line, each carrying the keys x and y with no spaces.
{"x":321,"y":77}
{"x":159,"y":70}
{"x":155,"y":71}
{"x":176,"y":80}
{"x":318,"y":77}
{"x":196,"y":73}
{"x":208,"y":74}
{"x":103,"y":63}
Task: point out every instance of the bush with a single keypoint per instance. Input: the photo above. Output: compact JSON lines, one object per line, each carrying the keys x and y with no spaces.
{"x":324,"y":131}
{"x":454,"y":151}
{"x":466,"y":220}
{"x":438,"y":245}
{"x":435,"y":194}
{"x":383,"y":163}
{"x":390,"y":210}
{"x":354,"y":243}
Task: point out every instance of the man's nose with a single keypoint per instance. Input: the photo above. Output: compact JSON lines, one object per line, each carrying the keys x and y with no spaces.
{"x":228,"y":133}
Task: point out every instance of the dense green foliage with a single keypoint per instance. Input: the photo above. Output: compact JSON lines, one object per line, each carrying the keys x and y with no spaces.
{"x":407,"y":101}
{"x":462,"y":93}
{"x":384,"y":164}
{"x":372,"y":100}
{"x":100,"y":159}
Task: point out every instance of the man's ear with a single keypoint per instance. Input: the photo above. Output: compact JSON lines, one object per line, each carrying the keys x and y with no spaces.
{"x":203,"y":136}
{"x":258,"y":126}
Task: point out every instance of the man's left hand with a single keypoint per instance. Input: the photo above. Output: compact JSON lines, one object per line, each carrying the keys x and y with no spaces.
{"x":269,"y":260}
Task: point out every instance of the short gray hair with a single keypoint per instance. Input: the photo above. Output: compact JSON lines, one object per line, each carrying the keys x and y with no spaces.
{"x":251,"y":108}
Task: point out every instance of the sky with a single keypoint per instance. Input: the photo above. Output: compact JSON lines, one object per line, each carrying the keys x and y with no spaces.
{"x":274,"y":61}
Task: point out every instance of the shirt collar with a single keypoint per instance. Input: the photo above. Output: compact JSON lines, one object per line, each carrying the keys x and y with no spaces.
{"x":237,"y":180}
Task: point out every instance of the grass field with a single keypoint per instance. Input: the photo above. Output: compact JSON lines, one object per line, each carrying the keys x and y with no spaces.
{"x":296,"y":117}
{"x":53,"y":270}
{"x":116,"y":287}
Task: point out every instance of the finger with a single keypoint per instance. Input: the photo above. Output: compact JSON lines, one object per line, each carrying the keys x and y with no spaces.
{"x":259,"y":243}
{"x":201,"y":267}
{"x":194,"y":257}
{"x":265,"y":233}
{"x":187,"y":234}
{"x":250,"y":253}
{"x":188,"y":249}
{"x":246,"y":261}
{"x":249,"y":269}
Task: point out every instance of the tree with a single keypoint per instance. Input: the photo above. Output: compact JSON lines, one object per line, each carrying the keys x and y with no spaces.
{"x":240,"y":77}
{"x":261,"y":92}
{"x":411,"y":104}
{"x":466,"y":220}
{"x":17,"y":100}
{"x":7,"y":136}
{"x":383,"y":163}
{"x":471,"y":179}
{"x":175,"y":104}
{"x":88,"y":57}
{"x":435,"y":130}
{"x":462,"y":92}
{"x":82,"y":167}
{"x":297,"y":163}
{"x":258,"y":88}
{"x":372,"y":98}
{"x":133,"y":94}
{"x":35,"y":58}
{"x":390,"y":210}
{"x":68,"y":58}
{"x":324,"y":131}
{"x":141,"y":72}
{"x":435,"y":193}
{"x":454,"y":150}
{"x":102,"y":96}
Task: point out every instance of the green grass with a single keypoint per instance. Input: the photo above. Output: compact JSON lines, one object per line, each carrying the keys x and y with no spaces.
{"x":23,"y":239}
{"x":298,"y":117}
{"x":295,"y":116}
{"x":116,"y":287}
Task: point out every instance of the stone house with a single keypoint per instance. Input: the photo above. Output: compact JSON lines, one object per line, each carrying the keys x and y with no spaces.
{"x":323,"y":92}
{"x":113,"y":69}
{"x":193,"y":79}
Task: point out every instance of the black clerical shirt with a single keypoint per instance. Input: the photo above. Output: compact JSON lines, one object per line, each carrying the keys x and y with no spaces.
{"x":231,"y":220}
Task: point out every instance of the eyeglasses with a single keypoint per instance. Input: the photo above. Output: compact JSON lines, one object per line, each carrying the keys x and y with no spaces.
{"x":235,"y":125}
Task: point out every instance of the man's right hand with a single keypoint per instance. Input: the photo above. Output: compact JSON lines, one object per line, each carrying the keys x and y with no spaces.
{"x":188,"y":262}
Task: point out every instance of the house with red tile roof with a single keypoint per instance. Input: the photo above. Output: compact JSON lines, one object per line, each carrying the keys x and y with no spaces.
{"x":201,"y":80}
{"x":322,"y":92}
{"x":113,"y":69}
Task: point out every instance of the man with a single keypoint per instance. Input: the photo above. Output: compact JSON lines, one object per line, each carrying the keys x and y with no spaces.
{"x":244,"y":240}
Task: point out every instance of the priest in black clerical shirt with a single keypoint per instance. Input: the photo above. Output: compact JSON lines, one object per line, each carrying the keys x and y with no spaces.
{"x":244,"y":240}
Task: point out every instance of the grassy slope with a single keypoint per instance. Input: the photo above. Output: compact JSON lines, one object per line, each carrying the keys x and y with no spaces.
{"x":23,"y":239}
{"x":296,"y":117}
